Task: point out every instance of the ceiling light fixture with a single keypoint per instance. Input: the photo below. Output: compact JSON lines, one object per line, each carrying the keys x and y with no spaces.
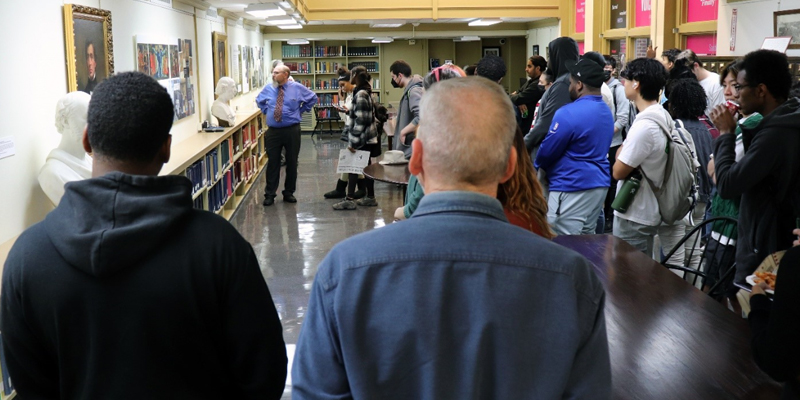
{"x":467,"y":39}
{"x":386,"y":24}
{"x":297,"y":41}
{"x":382,"y":40}
{"x":286,"y":5}
{"x":295,"y":26}
{"x":285,"y":20}
{"x":264,"y":10}
{"x":485,"y":22}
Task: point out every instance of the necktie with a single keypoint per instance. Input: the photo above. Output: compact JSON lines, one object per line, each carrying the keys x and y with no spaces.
{"x":279,"y":104}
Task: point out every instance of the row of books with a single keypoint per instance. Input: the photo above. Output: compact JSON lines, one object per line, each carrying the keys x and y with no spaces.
{"x":327,"y":100}
{"x":362,"y":51}
{"x":226,"y":152}
{"x":299,"y":67}
{"x":219,"y":193}
{"x":327,"y":67}
{"x":249,"y":134}
{"x":327,"y":85}
{"x":197,"y":174}
{"x":328,"y":113}
{"x":371,"y":66}
{"x":289,"y":51}
{"x":306,"y":82}
{"x":198,"y":203}
{"x":329,"y":51}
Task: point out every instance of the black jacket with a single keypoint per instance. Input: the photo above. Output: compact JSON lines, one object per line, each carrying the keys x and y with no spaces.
{"x":562,"y":51}
{"x":703,"y":147}
{"x":768,"y":179}
{"x":126,"y":292}
{"x":528,"y":94}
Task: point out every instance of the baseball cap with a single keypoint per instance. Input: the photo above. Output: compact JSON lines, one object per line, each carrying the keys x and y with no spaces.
{"x":587,"y":71}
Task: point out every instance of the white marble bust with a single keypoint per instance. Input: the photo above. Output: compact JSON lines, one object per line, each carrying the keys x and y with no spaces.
{"x":68,"y":162}
{"x":226,"y":89}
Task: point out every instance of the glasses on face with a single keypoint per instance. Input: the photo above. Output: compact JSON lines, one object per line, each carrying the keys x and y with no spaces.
{"x":738,"y":88}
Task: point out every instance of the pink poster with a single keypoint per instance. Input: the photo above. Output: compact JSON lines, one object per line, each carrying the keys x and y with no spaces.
{"x":701,"y":10}
{"x":702,"y":45}
{"x":580,"y":48}
{"x":580,"y":16}
{"x":642,"y":13}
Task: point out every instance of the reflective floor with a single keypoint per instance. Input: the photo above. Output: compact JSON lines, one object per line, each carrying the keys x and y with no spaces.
{"x":290,"y":240}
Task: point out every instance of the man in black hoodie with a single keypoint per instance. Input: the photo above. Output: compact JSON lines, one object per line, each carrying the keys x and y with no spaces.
{"x":768,"y":175}
{"x":125,"y":291}
{"x":562,"y":51}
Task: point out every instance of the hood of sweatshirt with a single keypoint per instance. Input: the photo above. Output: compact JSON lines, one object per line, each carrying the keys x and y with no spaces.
{"x":415,"y":80}
{"x":562,"y":50}
{"x":107,"y":224}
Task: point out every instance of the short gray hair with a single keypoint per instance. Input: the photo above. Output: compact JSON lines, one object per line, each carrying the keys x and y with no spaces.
{"x":467,"y":128}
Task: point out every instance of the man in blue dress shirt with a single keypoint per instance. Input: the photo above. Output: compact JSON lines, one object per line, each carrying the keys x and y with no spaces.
{"x":476,"y":308}
{"x":283,"y":102}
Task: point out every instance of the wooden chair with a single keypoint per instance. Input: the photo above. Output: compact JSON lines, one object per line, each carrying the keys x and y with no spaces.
{"x":718,"y":253}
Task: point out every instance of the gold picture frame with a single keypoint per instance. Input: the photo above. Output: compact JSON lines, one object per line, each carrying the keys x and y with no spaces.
{"x":219,"y":46}
{"x":787,"y":23}
{"x":89,"y":46}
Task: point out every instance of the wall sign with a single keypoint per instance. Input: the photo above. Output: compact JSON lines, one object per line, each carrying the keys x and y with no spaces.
{"x":702,"y":45}
{"x":580,"y":16}
{"x":701,"y":10}
{"x":580,"y":48}
{"x":642,"y":13}
{"x":619,"y":14}
{"x":733,"y":29}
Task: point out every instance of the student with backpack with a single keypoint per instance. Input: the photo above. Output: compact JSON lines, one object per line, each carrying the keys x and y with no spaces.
{"x":642,"y":156}
{"x":623,"y":118}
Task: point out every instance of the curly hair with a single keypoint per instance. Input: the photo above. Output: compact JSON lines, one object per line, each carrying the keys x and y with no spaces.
{"x":491,"y":67}
{"x":771,"y":68}
{"x":687,"y":99}
{"x":671,"y":54}
{"x":523,"y":192}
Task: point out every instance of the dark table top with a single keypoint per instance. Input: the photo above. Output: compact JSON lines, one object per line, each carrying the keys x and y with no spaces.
{"x":397,"y":173}
{"x":668,"y":340}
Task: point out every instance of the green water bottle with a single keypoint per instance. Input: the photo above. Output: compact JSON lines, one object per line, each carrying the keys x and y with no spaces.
{"x":627,"y":192}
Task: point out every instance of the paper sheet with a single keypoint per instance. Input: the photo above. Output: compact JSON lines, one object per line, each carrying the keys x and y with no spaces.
{"x":352,"y":163}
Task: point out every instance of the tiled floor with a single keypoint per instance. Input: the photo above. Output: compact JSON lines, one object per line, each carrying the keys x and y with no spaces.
{"x":290,"y":240}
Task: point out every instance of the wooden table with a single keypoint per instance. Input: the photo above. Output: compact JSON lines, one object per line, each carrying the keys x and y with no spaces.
{"x":668,"y":340}
{"x":395,"y":173}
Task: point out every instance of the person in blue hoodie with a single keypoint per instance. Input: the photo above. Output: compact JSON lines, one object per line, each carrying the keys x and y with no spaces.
{"x":574,"y":153}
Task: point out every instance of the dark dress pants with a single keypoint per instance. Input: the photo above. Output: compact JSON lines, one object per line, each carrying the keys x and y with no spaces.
{"x":276,"y":140}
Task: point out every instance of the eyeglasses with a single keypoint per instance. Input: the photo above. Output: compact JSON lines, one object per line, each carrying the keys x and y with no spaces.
{"x":737,"y":87}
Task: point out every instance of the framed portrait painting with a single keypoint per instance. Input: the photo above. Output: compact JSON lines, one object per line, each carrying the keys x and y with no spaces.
{"x":787,"y":23}
{"x":89,"y":47}
{"x":219,"y":44}
{"x":491,"y":51}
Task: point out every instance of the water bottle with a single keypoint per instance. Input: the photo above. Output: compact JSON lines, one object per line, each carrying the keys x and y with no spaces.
{"x":627,"y":192}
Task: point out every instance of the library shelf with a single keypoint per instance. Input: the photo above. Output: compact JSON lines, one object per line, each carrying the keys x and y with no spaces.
{"x":199,"y":192}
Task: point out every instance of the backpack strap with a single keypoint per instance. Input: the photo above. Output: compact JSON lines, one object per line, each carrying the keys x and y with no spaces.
{"x":666,"y":131}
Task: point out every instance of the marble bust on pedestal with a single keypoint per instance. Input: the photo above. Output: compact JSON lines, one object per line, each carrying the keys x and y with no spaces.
{"x":226,"y":89}
{"x":68,"y":162}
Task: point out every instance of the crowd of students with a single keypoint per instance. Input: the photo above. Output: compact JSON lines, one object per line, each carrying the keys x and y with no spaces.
{"x":121,"y":292}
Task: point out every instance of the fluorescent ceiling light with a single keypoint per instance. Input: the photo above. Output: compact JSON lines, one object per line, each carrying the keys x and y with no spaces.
{"x":382,"y":40}
{"x":297,"y":41}
{"x":468,"y":39}
{"x":485,"y":22}
{"x":295,"y":26}
{"x":387,"y":24}
{"x":286,"y":20}
{"x":286,"y":5}
{"x":264,"y":10}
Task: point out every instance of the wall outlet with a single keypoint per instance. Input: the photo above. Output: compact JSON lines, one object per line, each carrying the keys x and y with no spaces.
{"x":412,"y":42}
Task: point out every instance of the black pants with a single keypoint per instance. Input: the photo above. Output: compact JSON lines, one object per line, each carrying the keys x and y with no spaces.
{"x":277,"y":139}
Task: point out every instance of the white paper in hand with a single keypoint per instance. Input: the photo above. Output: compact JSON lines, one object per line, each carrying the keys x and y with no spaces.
{"x":352,"y":163}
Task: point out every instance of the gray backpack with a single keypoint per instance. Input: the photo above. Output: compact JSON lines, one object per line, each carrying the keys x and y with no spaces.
{"x":678,"y":192}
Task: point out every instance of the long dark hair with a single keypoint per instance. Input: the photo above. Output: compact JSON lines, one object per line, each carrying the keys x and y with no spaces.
{"x":360,"y":78}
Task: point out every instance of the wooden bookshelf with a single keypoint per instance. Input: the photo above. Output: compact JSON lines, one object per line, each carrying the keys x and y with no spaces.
{"x":222,"y":165}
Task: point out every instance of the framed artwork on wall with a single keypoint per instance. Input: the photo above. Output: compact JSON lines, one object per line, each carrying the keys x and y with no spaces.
{"x":89,"y":47}
{"x":787,"y":23}
{"x":169,"y":61}
{"x":494,"y":51}
{"x":219,"y":46}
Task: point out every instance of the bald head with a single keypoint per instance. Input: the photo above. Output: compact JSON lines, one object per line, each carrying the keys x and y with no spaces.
{"x":466,"y":130}
{"x":280,"y":74}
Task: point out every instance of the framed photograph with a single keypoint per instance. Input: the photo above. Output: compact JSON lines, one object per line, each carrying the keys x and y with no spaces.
{"x":536,"y":49}
{"x":219,"y":46}
{"x":493,"y":51}
{"x":89,"y":47}
{"x":787,"y":23}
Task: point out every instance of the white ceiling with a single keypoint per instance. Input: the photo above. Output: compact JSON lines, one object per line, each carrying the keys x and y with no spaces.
{"x":237,"y":7}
